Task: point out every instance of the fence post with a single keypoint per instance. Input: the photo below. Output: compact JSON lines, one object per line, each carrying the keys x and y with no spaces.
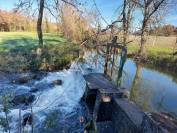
{"x":106,"y":59}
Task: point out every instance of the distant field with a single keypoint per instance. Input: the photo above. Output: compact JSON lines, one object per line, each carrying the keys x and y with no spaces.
{"x":159,"y":51}
{"x":162,"y":46}
{"x":9,"y":40}
{"x":154,"y":45}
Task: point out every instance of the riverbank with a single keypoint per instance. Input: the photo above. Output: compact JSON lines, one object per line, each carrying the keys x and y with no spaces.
{"x":159,"y":56}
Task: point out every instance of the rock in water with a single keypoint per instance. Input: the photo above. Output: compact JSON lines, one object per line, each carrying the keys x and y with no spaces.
{"x":41,"y":86}
{"x":24,"y":78}
{"x":34,"y":89}
{"x":39,"y":75}
{"x":27,"y":119}
{"x":57,"y":82}
{"x":23,"y":97}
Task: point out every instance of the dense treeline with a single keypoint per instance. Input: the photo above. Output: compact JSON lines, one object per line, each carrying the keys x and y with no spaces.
{"x":165,"y":30}
{"x":14,"y":21}
{"x":71,"y":25}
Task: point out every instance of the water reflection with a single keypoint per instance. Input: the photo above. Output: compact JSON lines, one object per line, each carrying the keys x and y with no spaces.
{"x":135,"y":83}
{"x":141,"y":97}
{"x":150,"y":89}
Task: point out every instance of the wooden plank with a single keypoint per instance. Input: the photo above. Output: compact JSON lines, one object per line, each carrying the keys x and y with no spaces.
{"x":101,"y":82}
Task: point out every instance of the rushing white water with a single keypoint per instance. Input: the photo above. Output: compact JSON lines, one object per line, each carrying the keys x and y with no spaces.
{"x":62,"y":97}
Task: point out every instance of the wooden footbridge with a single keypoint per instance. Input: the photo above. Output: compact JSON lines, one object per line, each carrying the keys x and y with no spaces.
{"x":112,"y":113}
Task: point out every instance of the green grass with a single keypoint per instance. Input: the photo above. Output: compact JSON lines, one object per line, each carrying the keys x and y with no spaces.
{"x":133,"y":48}
{"x":155,"y":46}
{"x":159,"y":54}
{"x":152,"y":50}
{"x":11,"y":40}
{"x":18,"y":52}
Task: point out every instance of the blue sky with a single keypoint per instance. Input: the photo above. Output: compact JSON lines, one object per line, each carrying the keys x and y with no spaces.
{"x":7,"y":4}
{"x":107,"y":8}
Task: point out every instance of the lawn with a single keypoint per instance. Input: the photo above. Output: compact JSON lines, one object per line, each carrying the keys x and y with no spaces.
{"x":10,"y":40}
{"x":18,"y":52}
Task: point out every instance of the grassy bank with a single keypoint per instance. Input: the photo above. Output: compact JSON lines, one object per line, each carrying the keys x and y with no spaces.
{"x":11,"y":40}
{"x":159,"y":52}
{"x":18,"y":52}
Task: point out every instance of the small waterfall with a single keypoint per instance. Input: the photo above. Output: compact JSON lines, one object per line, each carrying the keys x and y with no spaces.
{"x":63,"y":98}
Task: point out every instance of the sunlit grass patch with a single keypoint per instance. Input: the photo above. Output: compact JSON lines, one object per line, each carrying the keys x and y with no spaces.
{"x":133,"y":48}
{"x":152,"y":50}
{"x":18,"y":52}
{"x":160,"y":55}
{"x":10,"y":40}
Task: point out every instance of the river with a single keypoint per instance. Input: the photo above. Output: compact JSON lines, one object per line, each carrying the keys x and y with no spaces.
{"x":150,"y":89}
{"x":58,"y":108}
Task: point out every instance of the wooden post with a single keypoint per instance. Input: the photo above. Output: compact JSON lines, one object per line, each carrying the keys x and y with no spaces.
{"x":108,"y":52}
{"x":121,"y":65}
{"x":113,"y":60}
{"x":106,"y":59}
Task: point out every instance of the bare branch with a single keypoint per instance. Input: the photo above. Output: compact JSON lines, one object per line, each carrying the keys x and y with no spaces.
{"x":138,"y":3}
{"x":100,"y":12}
{"x":73,"y":5}
{"x":156,"y":7}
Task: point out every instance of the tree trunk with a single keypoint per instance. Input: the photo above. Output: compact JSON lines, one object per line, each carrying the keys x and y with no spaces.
{"x":144,"y":25}
{"x":106,"y":59}
{"x":124,"y":23}
{"x":142,"y":43}
{"x":39,"y":23}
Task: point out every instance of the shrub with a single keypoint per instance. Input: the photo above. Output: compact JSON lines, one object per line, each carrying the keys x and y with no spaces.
{"x":54,"y":57}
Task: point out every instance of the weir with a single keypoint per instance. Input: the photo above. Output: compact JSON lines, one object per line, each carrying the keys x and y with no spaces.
{"x":112,"y":113}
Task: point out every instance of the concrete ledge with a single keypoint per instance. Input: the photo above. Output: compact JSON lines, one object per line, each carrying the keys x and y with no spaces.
{"x":127,"y":117}
{"x":131,"y":110}
{"x":117,"y":114}
{"x":99,"y":81}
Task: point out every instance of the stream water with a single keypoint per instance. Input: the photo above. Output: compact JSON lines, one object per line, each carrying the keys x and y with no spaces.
{"x":58,"y":108}
{"x":150,"y":89}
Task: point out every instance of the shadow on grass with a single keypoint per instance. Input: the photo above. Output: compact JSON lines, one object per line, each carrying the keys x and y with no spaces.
{"x":9,"y":45}
{"x":20,"y":54}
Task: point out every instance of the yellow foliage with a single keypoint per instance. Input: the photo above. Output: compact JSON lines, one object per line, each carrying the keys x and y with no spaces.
{"x":73,"y":26}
